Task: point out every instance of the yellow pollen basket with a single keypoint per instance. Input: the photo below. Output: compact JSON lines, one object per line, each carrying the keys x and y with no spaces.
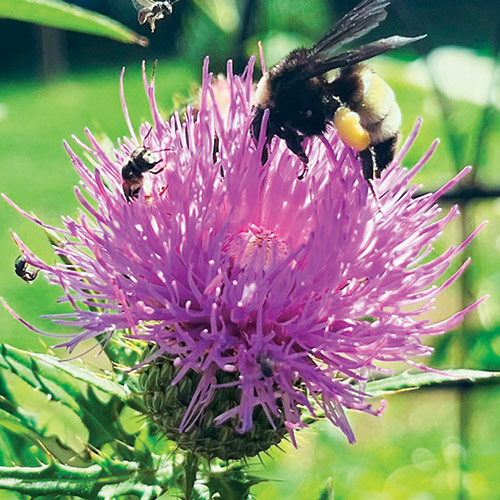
{"x":350,"y":129}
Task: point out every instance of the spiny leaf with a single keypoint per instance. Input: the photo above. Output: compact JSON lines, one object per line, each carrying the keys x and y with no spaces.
{"x":19,"y":424}
{"x":409,"y":381}
{"x":232,"y":484}
{"x":58,"y":479}
{"x":31,"y":366}
{"x":103,"y":422}
{"x":61,"y":15}
{"x":63,"y":382}
{"x":143,"y":491}
{"x":15,"y":423}
{"x":105,"y":479}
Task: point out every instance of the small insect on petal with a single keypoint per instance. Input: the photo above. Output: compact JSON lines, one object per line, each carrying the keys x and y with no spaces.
{"x":21,"y":268}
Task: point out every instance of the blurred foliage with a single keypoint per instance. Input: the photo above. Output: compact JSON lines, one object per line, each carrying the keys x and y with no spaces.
{"x":411,"y":452}
{"x":60,"y":15}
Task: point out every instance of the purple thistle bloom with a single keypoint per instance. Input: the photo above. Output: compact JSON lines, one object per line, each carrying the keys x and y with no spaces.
{"x":302,"y":288}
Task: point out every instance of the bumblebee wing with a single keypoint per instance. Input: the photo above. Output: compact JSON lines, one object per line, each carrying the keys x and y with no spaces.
{"x":355,"y":56}
{"x":358,"y":22}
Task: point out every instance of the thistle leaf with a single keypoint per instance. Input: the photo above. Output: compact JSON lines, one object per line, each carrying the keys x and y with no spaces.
{"x":37,"y":369}
{"x":69,"y":17}
{"x":408,"y":381}
{"x":105,"y":479}
{"x":102,"y":419}
{"x":95,"y":398}
{"x":17,"y":424}
{"x":232,"y":484}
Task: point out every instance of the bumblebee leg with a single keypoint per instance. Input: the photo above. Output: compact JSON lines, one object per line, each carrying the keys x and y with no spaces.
{"x":367,"y":162}
{"x":294,"y":143}
{"x":255,"y":132}
{"x":265,"y":154}
{"x":366,"y":157}
{"x":215,"y":149}
{"x":384,"y":154}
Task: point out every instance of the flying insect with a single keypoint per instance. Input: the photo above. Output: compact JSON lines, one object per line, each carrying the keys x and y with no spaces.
{"x":302,"y":102}
{"x":152,"y":10}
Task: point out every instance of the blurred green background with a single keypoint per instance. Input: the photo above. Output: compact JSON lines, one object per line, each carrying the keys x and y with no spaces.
{"x":53,"y":84}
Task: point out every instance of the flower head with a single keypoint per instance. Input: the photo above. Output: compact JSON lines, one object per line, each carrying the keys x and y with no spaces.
{"x":297,"y":290}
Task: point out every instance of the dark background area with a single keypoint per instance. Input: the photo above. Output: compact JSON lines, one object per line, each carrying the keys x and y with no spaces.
{"x":32,"y":51}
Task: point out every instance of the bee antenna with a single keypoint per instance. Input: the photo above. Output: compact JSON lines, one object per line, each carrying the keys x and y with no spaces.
{"x":147,"y":135}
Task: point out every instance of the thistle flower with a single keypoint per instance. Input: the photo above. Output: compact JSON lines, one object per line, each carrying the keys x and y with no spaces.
{"x":275,"y":295}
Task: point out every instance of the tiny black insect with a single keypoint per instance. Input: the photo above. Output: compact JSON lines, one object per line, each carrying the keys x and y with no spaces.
{"x":152,"y":10}
{"x":266,"y":364}
{"x":141,"y":160}
{"x":21,"y":269}
{"x":302,"y":102}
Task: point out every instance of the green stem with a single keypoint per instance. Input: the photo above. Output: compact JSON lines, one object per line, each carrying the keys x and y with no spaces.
{"x":190,"y":470}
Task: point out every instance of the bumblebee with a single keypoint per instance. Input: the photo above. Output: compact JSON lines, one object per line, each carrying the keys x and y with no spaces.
{"x":21,"y":269}
{"x":141,"y":160}
{"x":302,"y":102}
{"x":152,"y":10}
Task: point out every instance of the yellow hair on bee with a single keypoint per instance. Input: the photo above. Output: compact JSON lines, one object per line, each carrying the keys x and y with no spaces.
{"x":350,"y":130}
{"x":378,"y":95}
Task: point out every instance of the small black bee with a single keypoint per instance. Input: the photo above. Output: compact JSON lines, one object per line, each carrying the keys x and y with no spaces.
{"x":141,"y":160}
{"x":21,"y":269}
{"x":152,"y":10}
{"x":302,"y":102}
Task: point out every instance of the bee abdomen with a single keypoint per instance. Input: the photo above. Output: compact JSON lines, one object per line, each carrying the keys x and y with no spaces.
{"x":379,"y":114}
{"x":386,"y":127}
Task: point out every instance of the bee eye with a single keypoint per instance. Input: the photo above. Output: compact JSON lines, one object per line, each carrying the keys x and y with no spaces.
{"x":309,"y":113}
